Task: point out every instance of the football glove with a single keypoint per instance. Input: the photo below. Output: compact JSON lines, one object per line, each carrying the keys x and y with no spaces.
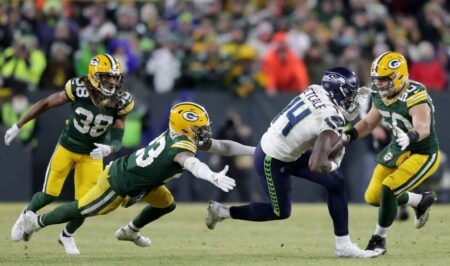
{"x":222,"y":181}
{"x":405,"y":139}
{"x":339,"y":158}
{"x":101,"y":151}
{"x":11,"y":133}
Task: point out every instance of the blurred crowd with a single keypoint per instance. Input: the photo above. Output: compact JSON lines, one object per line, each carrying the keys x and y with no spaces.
{"x":235,"y":45}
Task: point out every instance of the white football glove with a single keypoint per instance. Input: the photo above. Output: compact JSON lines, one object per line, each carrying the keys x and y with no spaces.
{"x":222,"y":181}
{"x":402,"y":138}
{"x":11,"y":134}
{"x":101,"y":151}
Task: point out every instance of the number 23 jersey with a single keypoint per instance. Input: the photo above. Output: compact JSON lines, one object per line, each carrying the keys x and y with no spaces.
{"x":296,"y":128}
{"x":88,"y":124}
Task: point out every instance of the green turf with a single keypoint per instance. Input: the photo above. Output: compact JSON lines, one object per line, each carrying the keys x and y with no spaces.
{"x":181,"y":238}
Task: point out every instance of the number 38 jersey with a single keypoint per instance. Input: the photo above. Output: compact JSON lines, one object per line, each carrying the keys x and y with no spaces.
{"x":137,"y":173}
{"x":88,"y":124}
{"x":299,"y":124}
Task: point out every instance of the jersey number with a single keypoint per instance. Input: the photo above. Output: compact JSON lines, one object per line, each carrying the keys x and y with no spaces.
{"x":85,"y":125}
{"x":144,"y":159}
{"x":294,"y":114}
{"x":395,"y":118}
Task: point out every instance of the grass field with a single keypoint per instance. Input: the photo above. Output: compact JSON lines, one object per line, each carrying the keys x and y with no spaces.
{"x":181,"y":238}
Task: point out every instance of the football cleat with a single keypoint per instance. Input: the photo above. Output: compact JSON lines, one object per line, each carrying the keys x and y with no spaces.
{"x":69,"y":245}
{"x":126,"y":234}
{"x":377,"y":244}
{"x":17,"y":229}
{"x":213,"y":214}
{"x":30,"y":225}
{"x":351,"y":250}
{"x":423,"y":208}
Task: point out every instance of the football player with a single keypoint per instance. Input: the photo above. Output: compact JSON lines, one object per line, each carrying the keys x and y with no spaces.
{"x":99,"y":104}
{"x":314,"y":119}
{"x":413,"y":154}
{"x":140,"y":176}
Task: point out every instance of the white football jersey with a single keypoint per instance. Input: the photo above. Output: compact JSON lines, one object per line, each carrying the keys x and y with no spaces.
{"x":297,"y":127}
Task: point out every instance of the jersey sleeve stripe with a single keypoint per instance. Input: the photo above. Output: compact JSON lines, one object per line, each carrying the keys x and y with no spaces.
{"x":419,"y":94}
{"x":68,"y":89}
{"x":416,"y":101}
{"x":185,"y":147}
{"x":127,"y":109}
{"x":189,"y":143}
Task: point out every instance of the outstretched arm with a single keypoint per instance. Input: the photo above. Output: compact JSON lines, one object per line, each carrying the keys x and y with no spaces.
{"x":226,"y":147}
{"x":202,"y":171}
{"x":54,"y":100}
{"x":319,"y":162}
{"x":365,"y":126}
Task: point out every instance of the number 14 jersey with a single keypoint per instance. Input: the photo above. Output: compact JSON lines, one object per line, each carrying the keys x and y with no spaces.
{"x":296,"y":128}
{"x":88,"y":124}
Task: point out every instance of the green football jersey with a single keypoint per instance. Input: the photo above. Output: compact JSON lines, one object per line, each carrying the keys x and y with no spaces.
{"x":397,"y":115}
{"x":137,"y":173}
{"x":88,"y":124}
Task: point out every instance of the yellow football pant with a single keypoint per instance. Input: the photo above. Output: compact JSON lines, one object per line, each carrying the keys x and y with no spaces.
{"x":87,"y":170}
{"x":412,"y":171}
{"x":102,"y":199}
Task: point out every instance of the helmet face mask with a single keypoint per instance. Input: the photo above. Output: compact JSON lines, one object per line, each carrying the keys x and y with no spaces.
{"x":105,"y":74}
{"x":342,"y":86}
{"x":191,"y":120}
{"x":389,"y":75}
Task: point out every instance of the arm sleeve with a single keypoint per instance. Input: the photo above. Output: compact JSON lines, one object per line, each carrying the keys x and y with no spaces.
{"x":116,"y":138}
{"x":68,"y":90}
{"x":230,"y":148}
{"x":198,"y":169}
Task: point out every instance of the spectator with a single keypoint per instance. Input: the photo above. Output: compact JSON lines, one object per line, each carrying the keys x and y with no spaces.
{"x":59,"y":68}
{"x":284,"y":70}
{"x":22,"y":64}
{"x":260,"y":40}
{"x":428,"y":70}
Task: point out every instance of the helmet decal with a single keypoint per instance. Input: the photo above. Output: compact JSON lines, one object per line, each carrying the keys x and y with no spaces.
{"x":94,"y":61}
{"x":394,"y":63}
{"x":190,"y":116}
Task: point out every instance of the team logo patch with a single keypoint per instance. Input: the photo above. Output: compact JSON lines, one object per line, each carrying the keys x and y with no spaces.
{"x":94,"y":61}
{"x":394,"y":63}
{"x":388,"y":156}
{"x":190,"y":116}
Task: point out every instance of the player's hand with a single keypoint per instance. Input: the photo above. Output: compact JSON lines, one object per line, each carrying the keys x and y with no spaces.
{"x":402,"y":138}
{"x":101,"y":151}
{"x":222,"y":181}
{"x":339,"y":157}
{"x":11,"y":134}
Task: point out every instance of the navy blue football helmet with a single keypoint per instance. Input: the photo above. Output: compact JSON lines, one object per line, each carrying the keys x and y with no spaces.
{"x":342,"y":85}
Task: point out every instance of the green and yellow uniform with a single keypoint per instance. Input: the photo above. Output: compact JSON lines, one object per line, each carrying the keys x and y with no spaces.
{"x":87,"y":124}
{"x":399,"y":170}
{"x":139,"y":175}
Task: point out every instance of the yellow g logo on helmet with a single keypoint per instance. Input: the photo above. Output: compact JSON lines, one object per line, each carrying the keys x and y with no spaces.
{"x":104,"y":65}
{"x":191,"y":120}
{"x":391,"y":66}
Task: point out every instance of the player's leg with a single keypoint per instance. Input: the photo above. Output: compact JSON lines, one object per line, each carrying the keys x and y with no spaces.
{"x":160,"y":202}
{"x":58,"y":168}
{"x":87,"y":171}
{"x":275,"y":181}
{"x":337,"y":206}
{"x":409,"y":174}
{"x":100,"y":200}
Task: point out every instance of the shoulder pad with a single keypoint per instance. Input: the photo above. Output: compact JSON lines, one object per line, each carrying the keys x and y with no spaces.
{"x":415,"y":94}
{"x":68,"y":89}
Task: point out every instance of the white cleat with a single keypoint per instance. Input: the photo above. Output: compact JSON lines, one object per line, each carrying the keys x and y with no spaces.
{"x":69,"y":245}
{"x":17,"y":229}
{"x":30,"y":225}
{"x":126,"y":234}
{"x":353,"y":251}
{"x":213,"y":214}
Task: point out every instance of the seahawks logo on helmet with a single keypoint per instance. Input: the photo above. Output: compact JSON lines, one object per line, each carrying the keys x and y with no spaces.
{"x":394,"y":63}
{"x":190,"y":116}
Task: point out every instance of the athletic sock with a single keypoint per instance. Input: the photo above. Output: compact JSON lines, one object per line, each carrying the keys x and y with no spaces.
{"x":414,"y":199}
{"x":39,"y":201}
{"x":62,"y":214}
{"x":149,"y":214}
{"x":224,"y":212}
{"x":342,"y":240}
{"x":388,"y":207}
{"x":381,"y":231}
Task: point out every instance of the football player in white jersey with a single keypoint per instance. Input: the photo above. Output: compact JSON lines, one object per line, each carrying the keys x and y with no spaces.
{"x":314,"y":119}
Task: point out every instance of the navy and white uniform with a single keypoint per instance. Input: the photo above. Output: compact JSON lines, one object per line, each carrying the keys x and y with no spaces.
{"x":285,"y":149}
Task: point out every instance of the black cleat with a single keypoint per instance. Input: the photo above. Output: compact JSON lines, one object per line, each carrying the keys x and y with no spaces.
{"x":377,"y":244}
{"x":423,"y":208}
{"x":403,"y":214}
